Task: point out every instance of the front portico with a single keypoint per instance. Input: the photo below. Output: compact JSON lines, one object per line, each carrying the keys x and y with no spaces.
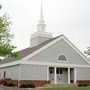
{"x":61,"y":75}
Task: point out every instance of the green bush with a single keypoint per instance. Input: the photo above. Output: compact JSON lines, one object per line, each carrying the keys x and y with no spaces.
{"x":31,"y":85}
{"x":10,"y":83}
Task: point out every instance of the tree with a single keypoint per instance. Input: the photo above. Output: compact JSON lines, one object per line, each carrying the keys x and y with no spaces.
{"x":6,"y":49}
{"x":87,"y":52}
{"x":0,"y":6}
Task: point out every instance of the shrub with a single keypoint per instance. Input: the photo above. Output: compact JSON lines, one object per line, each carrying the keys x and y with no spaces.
{"x":83,"y":84}
{"x":10,"y":83}
{"x":31,"y":85}
{"x":27,"y":85}
{"x":4,"y":81}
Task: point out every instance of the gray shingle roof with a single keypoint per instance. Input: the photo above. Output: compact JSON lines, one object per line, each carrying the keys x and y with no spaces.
{"x":27,"y":51}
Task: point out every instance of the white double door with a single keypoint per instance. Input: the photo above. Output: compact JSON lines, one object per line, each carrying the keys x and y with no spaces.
{"x":59,"y":75}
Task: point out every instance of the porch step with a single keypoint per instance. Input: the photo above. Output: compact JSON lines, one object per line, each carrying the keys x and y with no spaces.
{"x":60,"y":85}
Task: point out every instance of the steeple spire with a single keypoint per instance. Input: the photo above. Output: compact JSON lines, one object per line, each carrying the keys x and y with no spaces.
{"x":40,"y":35}
{"x":41,"y":13}
{"x":41,"y":21}
{"x":41,"y":25}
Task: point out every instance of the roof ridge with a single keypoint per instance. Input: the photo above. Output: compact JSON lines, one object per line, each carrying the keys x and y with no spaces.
{"x":24,"y":52}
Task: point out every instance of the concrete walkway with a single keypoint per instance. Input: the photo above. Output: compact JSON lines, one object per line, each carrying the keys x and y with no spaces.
{"x":12,"y":88}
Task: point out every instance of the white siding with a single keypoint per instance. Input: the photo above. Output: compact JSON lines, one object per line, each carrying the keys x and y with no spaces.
{"x":52,"y":53}
{"x":11,"y":72}
{"x":72,"y":74}
{"x":65,"y":76}
{"x":33,"y":72}
{"x":38,"y":40}
{"x":83,"y":73}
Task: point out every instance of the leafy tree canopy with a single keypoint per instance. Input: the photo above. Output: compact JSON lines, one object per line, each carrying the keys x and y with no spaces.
{"x":87,"y":52}
{"x":6,"y":49}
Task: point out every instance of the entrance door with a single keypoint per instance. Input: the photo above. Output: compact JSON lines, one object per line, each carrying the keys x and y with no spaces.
{"x":59,"y":75}
{"x":51,"y":74}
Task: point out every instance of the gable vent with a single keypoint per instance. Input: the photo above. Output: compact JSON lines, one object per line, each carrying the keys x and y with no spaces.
{"x":62,"y":58}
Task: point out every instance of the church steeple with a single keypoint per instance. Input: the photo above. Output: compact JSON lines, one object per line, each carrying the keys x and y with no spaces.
{"x":40,"y":35}
{"x":41,"y":14}
{"x":41,"y":26}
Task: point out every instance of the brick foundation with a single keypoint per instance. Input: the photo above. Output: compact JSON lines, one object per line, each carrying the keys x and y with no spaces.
{"x":80,"y":81}
{"x":40,"y":83}
{"x":37,"y":83}
{"x":83,"y":81}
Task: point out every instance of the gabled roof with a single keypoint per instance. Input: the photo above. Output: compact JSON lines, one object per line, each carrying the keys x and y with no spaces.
{"x":27,"y":53}
{"x":62,"y":37}
{"x":23,"y":53}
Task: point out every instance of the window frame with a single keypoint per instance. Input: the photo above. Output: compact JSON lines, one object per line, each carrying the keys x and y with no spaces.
{"x":62,"y":60}
{"x":51,"y":70}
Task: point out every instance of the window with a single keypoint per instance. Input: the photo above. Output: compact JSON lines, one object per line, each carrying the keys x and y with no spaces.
{"x":62,"y":58}
{"x":51,"y":70}
{"x":59,"y":71}
{"x":4,"y":74}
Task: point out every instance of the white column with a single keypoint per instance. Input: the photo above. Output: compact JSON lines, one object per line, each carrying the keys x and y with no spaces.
{"x":75,"y":75}
{"x":68,"y":75}
{"x":55,"y":76}
{"x":47,"y":73}
{"x":19,"y":77}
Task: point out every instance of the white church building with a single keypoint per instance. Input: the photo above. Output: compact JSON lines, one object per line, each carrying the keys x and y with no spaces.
{"x":53,"y":59}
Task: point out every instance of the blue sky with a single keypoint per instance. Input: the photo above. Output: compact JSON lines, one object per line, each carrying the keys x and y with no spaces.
{"x":68,"y":17}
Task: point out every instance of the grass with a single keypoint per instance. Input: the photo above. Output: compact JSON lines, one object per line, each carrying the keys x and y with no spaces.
{"x":67,"y":88}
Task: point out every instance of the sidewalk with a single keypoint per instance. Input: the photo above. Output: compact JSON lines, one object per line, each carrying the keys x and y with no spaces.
{"x":14,"y":88}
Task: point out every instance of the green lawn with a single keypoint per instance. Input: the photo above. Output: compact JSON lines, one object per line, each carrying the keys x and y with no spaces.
{"x":67,"y":88}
